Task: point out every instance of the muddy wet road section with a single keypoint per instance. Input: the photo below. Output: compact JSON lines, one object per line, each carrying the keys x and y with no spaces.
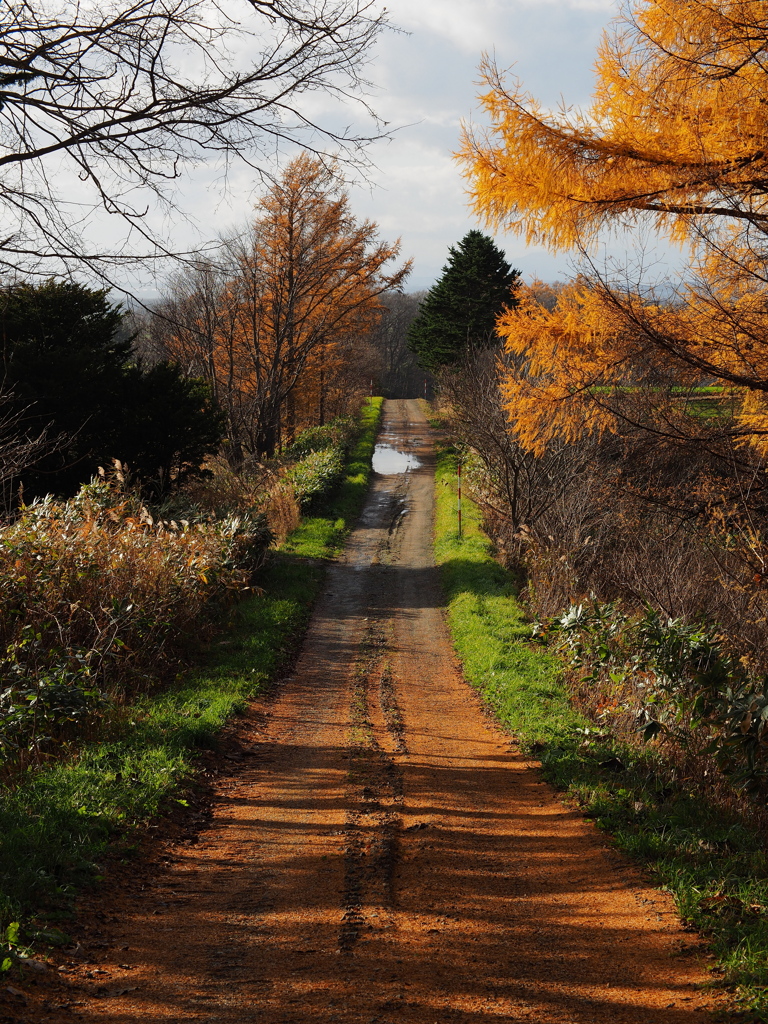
{"x":385,"y":855}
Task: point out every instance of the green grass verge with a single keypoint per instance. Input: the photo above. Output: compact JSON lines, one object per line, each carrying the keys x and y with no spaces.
{"x":522,"y":683}
{"x":713,"y":864}
{"x":322,"y":533}
{"x":711,"y":407}
{"x":56,"y":825}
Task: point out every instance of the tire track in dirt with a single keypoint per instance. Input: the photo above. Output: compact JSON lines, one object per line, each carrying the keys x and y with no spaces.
{"x":386,"y":856}
{"x":375,"y":798}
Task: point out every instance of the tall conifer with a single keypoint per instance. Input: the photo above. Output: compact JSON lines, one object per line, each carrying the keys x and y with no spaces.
{"x":459,"y":312}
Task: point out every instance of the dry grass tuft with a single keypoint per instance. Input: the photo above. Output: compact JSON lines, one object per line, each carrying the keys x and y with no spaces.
{"x":281,"y":508}
{"x":97,"y":599}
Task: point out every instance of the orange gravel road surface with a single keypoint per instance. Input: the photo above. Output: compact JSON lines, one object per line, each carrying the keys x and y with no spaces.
{"x":384,"y":855}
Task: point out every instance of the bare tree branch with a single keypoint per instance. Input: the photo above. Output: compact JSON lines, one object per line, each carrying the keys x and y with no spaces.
{"x":103,"y":106}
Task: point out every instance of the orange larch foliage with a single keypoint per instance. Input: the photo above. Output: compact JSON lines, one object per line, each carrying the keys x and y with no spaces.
{"x":678,"y":130}
{"x":677,"y":135}
{"x":299,"y":287}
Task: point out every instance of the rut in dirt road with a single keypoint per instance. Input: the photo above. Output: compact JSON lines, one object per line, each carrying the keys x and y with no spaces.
{"x":387,"y":855}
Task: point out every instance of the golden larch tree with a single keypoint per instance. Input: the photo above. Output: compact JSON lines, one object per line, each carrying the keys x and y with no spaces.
{"x":309,"y":279}
{"x":676,"y":136}
{"x":291,"y":296}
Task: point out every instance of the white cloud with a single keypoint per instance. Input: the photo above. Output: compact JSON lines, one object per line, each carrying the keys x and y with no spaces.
{"x":476,"y":25}
{"x":425,"y":86}
{"x":470,"y":27}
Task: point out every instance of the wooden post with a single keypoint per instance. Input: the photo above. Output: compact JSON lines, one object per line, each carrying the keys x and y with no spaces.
{"x":459,"y":506}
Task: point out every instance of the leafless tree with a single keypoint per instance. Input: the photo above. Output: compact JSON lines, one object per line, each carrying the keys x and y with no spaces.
{"x":399,"y":373}
{"x":523,"y":490}
{"x":104,"y":104}
{"x":20,"y":449}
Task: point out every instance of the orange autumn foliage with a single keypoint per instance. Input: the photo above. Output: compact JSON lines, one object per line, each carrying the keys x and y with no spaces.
{"x":676,"y":137}
{"x":274,"y":327}
{"x":677,"y":129}
{"x":567,"y":367}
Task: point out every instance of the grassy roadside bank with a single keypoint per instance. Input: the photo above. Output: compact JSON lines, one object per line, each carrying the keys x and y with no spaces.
{"x":58,"y":823}
{"x":714,"y":865}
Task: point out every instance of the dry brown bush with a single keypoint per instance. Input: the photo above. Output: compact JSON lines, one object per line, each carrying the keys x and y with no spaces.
{"x":224,"y":491}
{"x":658,"y":517}
{"x":99,"y":583}
{"x":282,"y":510}
{"x":256,"y":489}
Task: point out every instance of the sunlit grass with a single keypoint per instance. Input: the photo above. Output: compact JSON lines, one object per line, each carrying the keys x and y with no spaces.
{"x":522,"y":683}
{"x":59,"y":821}
{"x":322,"y":534}
{"x":714,"y":865}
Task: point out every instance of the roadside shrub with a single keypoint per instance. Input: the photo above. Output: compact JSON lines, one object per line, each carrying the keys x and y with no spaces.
{"x":674,"y":680}
{"x":257,"y":490}
{"x":278,"y":489}
{"x":336,"y":434}
{"x":281,"y":509}
{"x":315,"y":474}
{"x":221,"y":492}
{"x":96,"y":597}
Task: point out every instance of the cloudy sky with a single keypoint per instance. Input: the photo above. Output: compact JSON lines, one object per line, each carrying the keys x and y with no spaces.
{"x":424,"y":81}
{"x":427,"y":82}
{"x":423,"y":76}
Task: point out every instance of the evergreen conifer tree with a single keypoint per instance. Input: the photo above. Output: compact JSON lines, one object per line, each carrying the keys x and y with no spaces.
{"x":458,"y":314}
{"x":65,"y":357}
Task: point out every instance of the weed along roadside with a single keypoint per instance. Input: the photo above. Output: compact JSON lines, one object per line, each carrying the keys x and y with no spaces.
{"x":713,"y":862}
{"x":58,"y":822}
{"x":382,"y":850}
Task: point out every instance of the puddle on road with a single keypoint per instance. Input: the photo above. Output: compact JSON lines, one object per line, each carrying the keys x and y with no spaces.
{"x":388,"y":460}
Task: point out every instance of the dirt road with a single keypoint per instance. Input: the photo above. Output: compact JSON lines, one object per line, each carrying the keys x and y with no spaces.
{"x":385,"y":855}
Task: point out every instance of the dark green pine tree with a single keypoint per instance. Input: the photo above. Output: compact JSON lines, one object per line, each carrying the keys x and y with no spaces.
{"x":458,"y":314}
{"x":66,"y":360}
